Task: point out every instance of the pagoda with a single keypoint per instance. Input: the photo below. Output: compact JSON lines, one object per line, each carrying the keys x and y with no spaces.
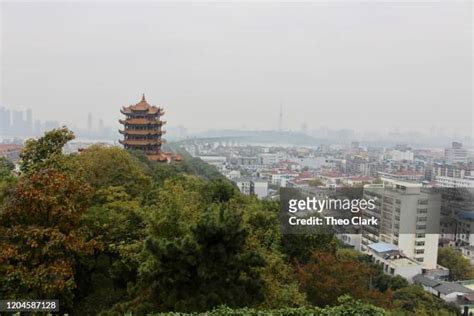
{"x":143,"y":130}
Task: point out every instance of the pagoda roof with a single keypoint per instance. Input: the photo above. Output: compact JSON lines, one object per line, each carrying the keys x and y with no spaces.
{"x":141,"y":121}
{"x":164,"y":156}
{"x":142,"y":132}
{"x":142,"y":106}
{"x":141,"y":142}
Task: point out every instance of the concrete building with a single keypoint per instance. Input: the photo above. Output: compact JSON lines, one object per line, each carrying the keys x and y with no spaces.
{"x":217,"y":161}
{"x":252,"y":186}
{"x":468,"y":253}
{"x":455,"y":154}
{"x":268,"y":159}
{"x":259,"y":188}
{"x":393,"y":261}
{"x":400,"y":155}
{"x":453,"y":175}
{"x":409,"y":218}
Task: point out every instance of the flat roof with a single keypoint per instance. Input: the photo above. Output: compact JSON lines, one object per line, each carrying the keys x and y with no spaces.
{"x":383,"y":247}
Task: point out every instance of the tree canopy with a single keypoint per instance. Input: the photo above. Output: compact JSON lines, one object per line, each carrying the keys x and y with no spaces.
{"x":108,"y":232}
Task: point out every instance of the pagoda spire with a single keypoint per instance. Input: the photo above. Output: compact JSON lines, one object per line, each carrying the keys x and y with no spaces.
{"x":143,"y":98}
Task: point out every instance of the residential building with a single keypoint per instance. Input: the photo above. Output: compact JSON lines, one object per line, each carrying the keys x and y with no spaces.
{"x":393,"y":261}
{"x":454,"y":175}
{"x":455,"y":154}
{"x":409,"y":218}
{"x":252,"y":186}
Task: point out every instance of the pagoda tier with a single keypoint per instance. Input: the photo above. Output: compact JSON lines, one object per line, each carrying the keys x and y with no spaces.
{"x":142,"y":121}
{"x":143,"y":130}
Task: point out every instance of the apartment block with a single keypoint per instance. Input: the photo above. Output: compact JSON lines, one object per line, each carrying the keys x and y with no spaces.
{"x":408,"y":217}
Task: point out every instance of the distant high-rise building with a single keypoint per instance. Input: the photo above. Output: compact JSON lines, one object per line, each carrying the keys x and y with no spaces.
{"x":101,"y":125}
{"x":38,"y":129}
{"x":18,"y":123}
{"x":29,"y":122}
{"x":89,"y":123}
{"x":455,"y":154}
{"x":5,"y":121}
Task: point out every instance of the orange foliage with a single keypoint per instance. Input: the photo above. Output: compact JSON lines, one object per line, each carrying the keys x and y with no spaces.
{"x":325,"y":277}
{"x":41,"y":235}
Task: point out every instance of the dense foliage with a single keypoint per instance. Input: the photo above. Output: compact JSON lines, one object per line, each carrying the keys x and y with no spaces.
{"x":109,"y":232}
{"x":459,"y":267}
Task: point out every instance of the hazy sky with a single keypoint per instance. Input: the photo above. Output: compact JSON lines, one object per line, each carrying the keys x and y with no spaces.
{"x":365,"y":66}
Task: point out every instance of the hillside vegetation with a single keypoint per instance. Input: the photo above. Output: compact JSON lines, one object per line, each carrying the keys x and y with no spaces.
{"x":108,"y":232}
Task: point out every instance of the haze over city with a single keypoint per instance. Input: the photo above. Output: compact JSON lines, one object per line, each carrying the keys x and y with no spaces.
{"x":371,"y":67}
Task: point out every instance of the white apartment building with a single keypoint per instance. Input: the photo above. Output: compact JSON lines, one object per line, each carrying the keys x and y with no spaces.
{"x":243,"y":184}
{"x":451,"y":182}
{"x":250,"y":186}
{"x":455,"y":154}
{"x":400,"y":155}
{"x":409,"y":218}
{"x":393,"y":261}
{"x":259,"y":188}
{"x":269,"y":159}
{"x":453,"y":176}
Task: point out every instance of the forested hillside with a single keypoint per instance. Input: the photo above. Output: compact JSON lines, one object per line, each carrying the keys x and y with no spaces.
{"x":108,"y":232}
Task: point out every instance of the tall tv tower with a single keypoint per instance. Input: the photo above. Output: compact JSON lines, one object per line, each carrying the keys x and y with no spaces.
{"x":280,"y":118}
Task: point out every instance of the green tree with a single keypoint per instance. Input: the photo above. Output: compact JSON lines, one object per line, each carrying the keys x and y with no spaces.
{"x":414,"y":300}
{"x":204,"y":269}
{"x":111,"y":166}
{"x":45,"y":151}
{"x":316,"y":182}
{"x":459,"y":267}
{"x":220,"y":190}
{"x":117,"y":221}
{"x":300,"y":247}
{"x":261,"y":220}
{"x":6,"y":167}
{"x":7,"y":178}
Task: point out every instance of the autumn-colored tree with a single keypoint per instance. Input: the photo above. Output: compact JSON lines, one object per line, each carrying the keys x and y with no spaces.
{"x":325,"y":277}
{"x":41,"y":236}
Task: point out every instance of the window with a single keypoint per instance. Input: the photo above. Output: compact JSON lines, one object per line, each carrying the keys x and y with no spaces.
{"x":423,"y":202}
{"x":420,"y":251}
{"x":422,"y":211}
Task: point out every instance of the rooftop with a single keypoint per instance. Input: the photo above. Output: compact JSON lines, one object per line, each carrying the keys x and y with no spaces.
{"x":421,"y":279}
{"x":452,"y":287}
{"x":382,"y":247}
